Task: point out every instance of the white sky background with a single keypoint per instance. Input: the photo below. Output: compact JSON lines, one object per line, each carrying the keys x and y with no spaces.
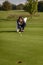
{"x":14,"y":1}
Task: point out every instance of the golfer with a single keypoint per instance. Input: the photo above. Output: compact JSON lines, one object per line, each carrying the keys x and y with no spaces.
{"x":21,"y":23}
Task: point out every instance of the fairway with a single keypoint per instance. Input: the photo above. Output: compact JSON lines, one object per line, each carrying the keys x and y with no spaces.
{"x":27,"y":48}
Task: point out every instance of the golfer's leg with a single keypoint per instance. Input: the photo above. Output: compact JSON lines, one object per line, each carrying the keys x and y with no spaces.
{"x":23,"y":26}
{"x":19,"y":28}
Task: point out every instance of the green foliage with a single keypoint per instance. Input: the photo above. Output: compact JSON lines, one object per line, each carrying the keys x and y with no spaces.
{"x":31,"y":6}
{"x":40,"y":6}
{"x":13,"y":7}
{"x":0,"y":7}
{"x":20,"y":7}
{"x":7,"y":5}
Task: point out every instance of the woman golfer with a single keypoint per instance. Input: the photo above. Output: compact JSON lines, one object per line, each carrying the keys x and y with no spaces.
{"x":21,"y":23}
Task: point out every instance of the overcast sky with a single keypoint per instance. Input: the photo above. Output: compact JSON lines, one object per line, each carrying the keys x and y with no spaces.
{"x":14,"y":1}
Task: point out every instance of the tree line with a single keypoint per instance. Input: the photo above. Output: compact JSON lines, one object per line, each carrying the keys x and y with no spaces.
{"x":9,"y":6}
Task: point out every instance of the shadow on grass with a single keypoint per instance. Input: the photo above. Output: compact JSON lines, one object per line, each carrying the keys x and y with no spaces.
{"x":7,"y":31}
{"x":1,"y":20}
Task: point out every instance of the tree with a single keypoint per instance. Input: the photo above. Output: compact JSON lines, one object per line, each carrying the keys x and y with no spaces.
{"x":20,"y":7}
{"x":40,"y":6}
{"x":31,"y":6}
{"x":13,"y":7}
{"x":0,"y":7}
{"x":7,"y":5}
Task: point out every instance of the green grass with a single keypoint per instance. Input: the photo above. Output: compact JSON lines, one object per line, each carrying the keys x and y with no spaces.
{"x":14,"y":48}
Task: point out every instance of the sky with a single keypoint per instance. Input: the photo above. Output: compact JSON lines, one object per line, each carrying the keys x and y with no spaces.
{"x":14,"y":1}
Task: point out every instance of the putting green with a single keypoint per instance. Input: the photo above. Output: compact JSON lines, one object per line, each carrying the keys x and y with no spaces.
{"x":21,"y":50}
